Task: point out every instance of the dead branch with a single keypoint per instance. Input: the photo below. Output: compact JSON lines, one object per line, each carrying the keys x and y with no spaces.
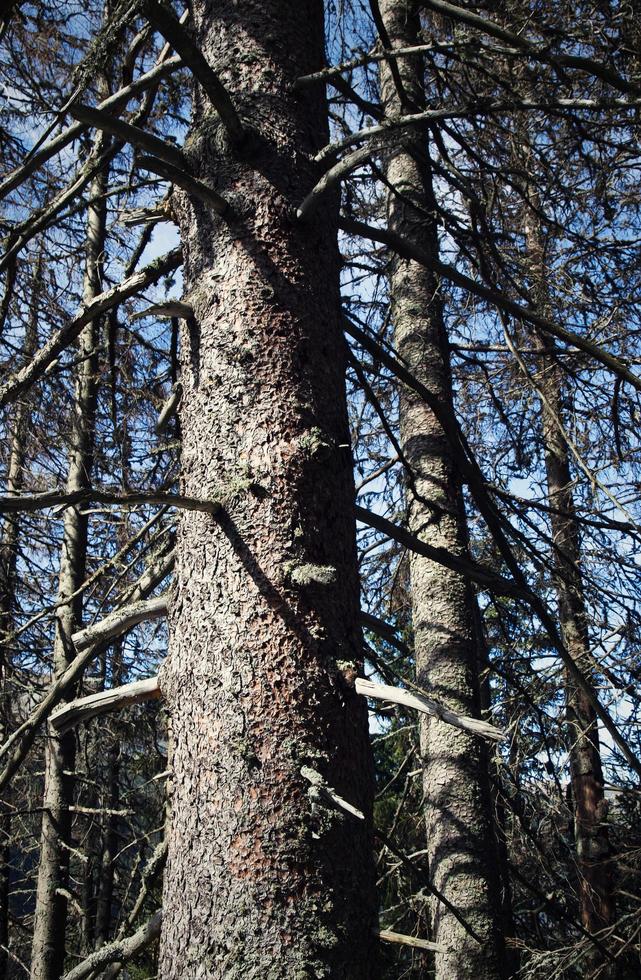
{"x":103,"y":702}
{"x":385,"y":692}
{"x":120,"y":951}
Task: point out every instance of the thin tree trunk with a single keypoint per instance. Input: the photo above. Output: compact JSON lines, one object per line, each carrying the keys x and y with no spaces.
{"x":596,"y":893}
{"x":108,"y":831}
{"x":48,"y":949}
{"x":590,"y":826}
{"x":264,"y":877}
{"x":460,"y":836}
{"x":8,"y":583}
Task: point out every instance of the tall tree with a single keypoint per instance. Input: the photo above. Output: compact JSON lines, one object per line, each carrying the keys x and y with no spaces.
{"x":596,"y":892}
{"x":265,"y":877}
{"x":460,"y":838}
{"x":270,"y":849}
{"x":9,"y":552}
{"x":48,"y":954}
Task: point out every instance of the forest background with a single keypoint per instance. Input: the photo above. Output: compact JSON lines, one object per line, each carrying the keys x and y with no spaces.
{"x":485,"y":161}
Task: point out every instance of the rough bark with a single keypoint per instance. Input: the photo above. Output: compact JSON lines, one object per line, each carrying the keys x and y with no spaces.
{"x":264,"y":879}
{"x":8,"y":583}
{"x":593,"y":852}
{"x":460,"y":837}
{"x":48,"y":948}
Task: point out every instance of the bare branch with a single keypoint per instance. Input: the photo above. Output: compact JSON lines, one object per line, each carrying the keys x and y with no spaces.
{"x":172,"y":307}
{"x":17,"y":383}
{"x":382,"y":629}
{"x":181,"y":178}
{"x":164,"y":21}
{"x":104,"y":702}
{"x":115,"y":101}
{"x":332,"y":177}
{"x":321,"y":791}
{"x":326,"y":74}
{"x":120,"y":951}
{"x":134,"y":135}
{"x":409,"y":250}
{"x":30,"y":502}
{"x":22,"y":738}
{"x":385,"y":692}
{"x":119,"y":622}
{"x":169,"y":409}
{"x":484,"y":577}
{"x":539,"y":53}
{"x":387,"y":936}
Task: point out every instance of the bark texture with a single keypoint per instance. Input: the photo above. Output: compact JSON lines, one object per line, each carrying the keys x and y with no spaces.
{"x":460,"y":836}
{"x":48,"y":948}
{"x":264,"y":878}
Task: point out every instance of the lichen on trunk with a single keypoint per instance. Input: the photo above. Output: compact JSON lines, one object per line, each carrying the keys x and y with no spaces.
{"x":263,"y":879}
{"x":461,"y":845}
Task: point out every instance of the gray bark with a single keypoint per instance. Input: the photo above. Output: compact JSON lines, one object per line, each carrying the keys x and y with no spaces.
{"x":460,"y":837}
{"x":48,"y":948}
{"x":264,"y":879}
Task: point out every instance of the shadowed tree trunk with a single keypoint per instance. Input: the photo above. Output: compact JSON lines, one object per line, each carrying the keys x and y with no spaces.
{"x":109,"y":824}
{"x":8,"y":583}
{"x":48,"y":950}
{"x":460,"y":836}
{"x":590,"y":809}
{"x":265,"y":878}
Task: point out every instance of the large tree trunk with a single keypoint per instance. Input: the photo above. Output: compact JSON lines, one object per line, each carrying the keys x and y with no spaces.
{"x":460,"y":836}
{"x":265,"y":878}
{"x":48,"y":949}
{"x":8,"y":583}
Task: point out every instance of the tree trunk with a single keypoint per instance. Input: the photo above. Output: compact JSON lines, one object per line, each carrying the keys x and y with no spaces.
{"x":109,"y":822}
{"x":48,"y":949}
{"x":460,"y":837}
{"x":590,"y":809}
{"x":596,"y":895}
{"x":265,"y":878}
{"x":8,"y":583}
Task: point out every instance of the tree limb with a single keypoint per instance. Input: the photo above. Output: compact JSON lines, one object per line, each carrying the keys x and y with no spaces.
{"x":30,"y":502}
{"x":164,"y":21}
{"x":385,"y":692}
{"x":484,"y":577}
{"x":387,"y":936}
{"x":409,"y":250}
{"x":542,"y":53}
{"x":119,"y":621}
{"x":22,"y":739}
{"x":120,"y":951}
{"x":99,"y":119}
{"x":17,"y":383}
{"x":82,"y":709}
{"x":115,"y":101}
{"x":181,"y":178}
